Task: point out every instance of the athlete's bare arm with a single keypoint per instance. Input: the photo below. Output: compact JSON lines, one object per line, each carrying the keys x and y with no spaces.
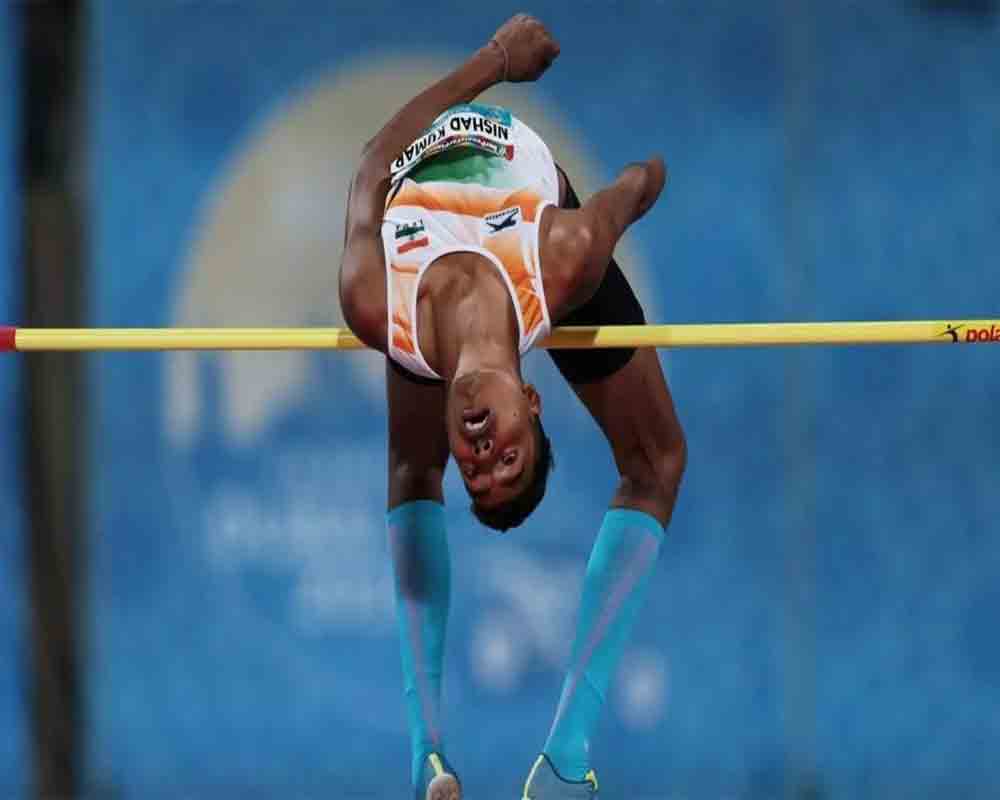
{"x":521,"y":50}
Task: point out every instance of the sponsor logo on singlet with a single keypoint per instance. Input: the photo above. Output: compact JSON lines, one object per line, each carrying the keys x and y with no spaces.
{"x":485,"y":128}
{"x":410,"y":236}
{"x":502,"y":220}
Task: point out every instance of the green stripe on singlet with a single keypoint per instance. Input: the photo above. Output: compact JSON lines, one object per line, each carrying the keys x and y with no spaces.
{"x":466,"y":165}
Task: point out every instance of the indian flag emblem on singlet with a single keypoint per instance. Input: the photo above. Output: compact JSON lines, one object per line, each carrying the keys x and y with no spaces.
{"x":410,"y":236}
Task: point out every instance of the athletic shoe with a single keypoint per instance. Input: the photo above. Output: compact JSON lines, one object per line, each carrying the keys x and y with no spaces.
{"x":438,"y":780}
{"x":544,"y":783}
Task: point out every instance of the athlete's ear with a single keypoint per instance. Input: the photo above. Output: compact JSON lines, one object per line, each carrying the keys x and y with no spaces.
{"x":534,"y":399}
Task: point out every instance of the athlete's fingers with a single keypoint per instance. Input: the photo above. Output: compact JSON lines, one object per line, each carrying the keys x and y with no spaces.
{"x":529,"y":47}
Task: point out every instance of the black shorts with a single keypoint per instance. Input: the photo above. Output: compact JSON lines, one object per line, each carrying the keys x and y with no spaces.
{"x":614,"y":303}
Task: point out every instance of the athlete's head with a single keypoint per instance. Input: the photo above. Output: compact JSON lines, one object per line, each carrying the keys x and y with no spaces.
{"x":496,"y":437}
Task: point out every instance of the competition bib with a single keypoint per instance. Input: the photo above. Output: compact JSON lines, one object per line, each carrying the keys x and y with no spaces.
{"x":485,"y":128}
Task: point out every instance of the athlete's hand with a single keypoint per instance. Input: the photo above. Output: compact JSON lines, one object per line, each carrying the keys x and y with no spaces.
{"x":528,"y":47}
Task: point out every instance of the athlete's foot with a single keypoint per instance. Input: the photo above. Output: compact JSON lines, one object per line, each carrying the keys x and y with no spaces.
{"x":438,"y":780}
{"x":544,"y":783}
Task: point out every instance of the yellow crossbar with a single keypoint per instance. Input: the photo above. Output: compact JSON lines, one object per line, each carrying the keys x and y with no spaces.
{"x":721,"y":335}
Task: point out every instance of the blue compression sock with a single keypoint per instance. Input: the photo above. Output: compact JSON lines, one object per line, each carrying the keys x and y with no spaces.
{"x":419,"y":545}
{"x":617,"y":575}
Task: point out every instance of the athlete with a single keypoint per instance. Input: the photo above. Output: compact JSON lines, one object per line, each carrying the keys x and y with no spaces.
{"x":464,"y":244}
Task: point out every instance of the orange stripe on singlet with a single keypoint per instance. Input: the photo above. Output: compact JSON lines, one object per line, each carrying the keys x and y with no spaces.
{"x":527,"y":199}
{"x":507,"y":248}
{"x":465,"y":198}
{"x":402,"y":332}
{"x":531,"y":309}
{"x":403,"y":341}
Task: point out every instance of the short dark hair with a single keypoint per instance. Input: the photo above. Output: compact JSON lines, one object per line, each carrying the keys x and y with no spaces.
{"x":518,"y":509}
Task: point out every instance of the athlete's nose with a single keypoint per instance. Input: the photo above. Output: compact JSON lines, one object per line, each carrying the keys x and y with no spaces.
{"x":483,"y":447}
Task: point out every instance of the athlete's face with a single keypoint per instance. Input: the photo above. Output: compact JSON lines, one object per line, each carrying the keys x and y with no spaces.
{"x":491,"y":433}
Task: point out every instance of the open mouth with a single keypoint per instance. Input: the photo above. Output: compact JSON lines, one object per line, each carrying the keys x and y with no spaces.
{"x":474,"y":421}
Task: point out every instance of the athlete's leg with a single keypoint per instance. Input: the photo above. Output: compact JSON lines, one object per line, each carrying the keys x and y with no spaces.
{"x":627,"y":394}
{"x":634,"y":409}
{"x":418,"y":453}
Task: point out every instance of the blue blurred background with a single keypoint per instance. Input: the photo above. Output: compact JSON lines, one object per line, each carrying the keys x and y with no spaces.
{"x":13,"y":750}
{"x":823,"y":622}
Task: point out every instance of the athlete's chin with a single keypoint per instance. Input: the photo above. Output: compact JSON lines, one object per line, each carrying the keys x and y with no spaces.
{"x":476,"y":396}
{"x":470,"y":391}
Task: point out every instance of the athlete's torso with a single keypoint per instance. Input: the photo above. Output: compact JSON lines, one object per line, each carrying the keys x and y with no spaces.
{"x":476,"y":181}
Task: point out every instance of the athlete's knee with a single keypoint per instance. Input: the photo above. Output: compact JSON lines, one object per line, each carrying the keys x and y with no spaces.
{"x":570,"y":239}
{"x":664,"y":466}
{"x":651,"y":475}
{"x":671,"y":463}
{"x":576,"y":245}
{"x":409,"y":480}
